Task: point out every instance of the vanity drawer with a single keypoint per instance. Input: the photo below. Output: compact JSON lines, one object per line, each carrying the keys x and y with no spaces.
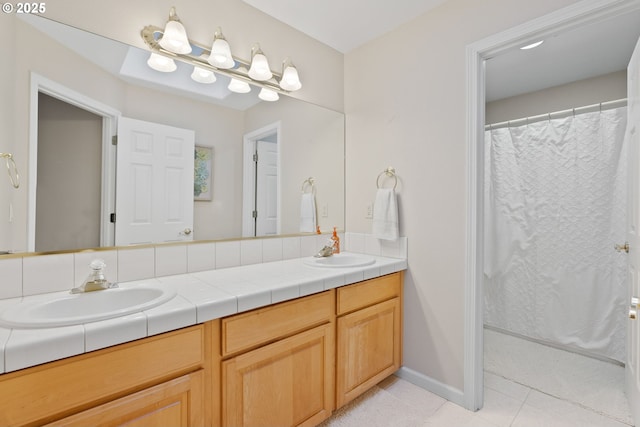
{"x":41,"y":393}
{"x":369,"y":292}
{"x":254,"y":328}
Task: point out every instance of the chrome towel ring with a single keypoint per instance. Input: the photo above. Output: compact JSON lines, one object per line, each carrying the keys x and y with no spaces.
{"x":309,"y":183}
{"x":12,"y":169}
{"x":389,"y":172}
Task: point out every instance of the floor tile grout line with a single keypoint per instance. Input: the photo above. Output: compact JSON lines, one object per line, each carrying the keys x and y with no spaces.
{"x":571,"y":402}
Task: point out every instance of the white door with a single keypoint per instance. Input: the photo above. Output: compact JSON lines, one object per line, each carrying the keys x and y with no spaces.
{"x":267,"y":189}
{"x":154,"y":183}
{"x":633,"y":231}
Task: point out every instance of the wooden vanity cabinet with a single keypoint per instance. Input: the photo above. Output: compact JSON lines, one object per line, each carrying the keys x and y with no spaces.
{"x":162,"y":380}
{"x":283,"y":374}
{"x":369,"y":335}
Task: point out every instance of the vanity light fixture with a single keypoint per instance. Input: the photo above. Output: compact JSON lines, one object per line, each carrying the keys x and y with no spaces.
{"x":161,"y":63}
{"x":174,"y":37}
{"x":268,"y":95}
{"x":532,"y":45}
{"x":171,"y":44}
{"x":290,"y":80}
{"x":202,"y":75}
{"x":239,"y":86}
{"x":259,"y":69}
{"x":220,"y":56}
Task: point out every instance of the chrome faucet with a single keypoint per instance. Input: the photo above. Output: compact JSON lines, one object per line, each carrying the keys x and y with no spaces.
{"x":327,"y":250}
{"x":96,"y":280}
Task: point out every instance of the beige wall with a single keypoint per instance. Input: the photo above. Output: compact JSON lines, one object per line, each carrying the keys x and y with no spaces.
{"x":311,"y":146}
{"x":7,"y":137}
{"x":413,"y":118}
{"x":603,"y":88}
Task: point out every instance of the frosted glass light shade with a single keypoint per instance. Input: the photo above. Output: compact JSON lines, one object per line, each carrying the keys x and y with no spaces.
{"x":220,"y":56}
{"x":290,"y":80}
{"x":174,"y":38}
{"x":239,"y":86}
{"x":161,"y":63}
{"x":259,"y":69}
{"x":268,"y":95}
{"x":202,"y":75}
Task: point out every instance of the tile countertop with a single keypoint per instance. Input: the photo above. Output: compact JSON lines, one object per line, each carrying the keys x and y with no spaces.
{"x":201,"y":297}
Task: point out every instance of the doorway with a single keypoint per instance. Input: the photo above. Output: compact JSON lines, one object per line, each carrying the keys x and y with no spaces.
{"x":108,"y":117}
{"x":567,"y":18}
{"x":68,"y":199}
{"x":261,"y":199}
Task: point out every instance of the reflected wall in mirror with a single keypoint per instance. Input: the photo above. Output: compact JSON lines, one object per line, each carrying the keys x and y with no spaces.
{"x":309,"y":138}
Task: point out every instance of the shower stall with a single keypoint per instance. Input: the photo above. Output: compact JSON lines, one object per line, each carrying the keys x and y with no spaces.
{"x":555,"y":205}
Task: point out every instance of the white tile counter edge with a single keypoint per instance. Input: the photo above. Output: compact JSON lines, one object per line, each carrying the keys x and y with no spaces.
{"x":201,"y":296}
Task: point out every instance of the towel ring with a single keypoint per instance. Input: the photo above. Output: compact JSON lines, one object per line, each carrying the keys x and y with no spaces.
{"x":390,"y":172}
{"x":309,"y":182}
{"x":12,"y":169}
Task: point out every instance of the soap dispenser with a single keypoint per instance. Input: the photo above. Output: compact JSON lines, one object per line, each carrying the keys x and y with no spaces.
{"x":336,"y":241}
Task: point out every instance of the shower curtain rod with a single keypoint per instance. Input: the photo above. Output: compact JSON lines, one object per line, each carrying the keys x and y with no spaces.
{"x":559,"y":114}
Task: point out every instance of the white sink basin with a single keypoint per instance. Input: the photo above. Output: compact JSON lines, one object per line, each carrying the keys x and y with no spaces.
{"x":74,"y":309}
{"x":340,"y":261}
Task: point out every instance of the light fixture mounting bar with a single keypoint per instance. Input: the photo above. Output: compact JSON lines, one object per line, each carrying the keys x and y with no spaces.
{"x":149,"y":32}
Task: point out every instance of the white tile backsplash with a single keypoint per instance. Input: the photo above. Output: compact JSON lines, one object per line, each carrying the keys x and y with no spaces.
{"x":51,"y":273}
{"x":136,"y":264}
{"x":271,"y":250}
{"x":11,"y":273}
{"x":57,"y":272}
{"x":201,"y":257}
{"x":290,"y":247}
{"x":250,"y":252}
{"x":227,"y":254}
{"x":171,"y":260}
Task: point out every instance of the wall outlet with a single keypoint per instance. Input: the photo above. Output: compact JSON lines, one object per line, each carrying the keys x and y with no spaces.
{"x":369,"y":211}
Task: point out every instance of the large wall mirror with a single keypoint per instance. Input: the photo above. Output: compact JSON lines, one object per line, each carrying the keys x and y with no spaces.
{"x":65,"y":92}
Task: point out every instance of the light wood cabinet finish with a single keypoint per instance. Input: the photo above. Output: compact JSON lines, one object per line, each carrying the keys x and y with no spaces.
{"x":254,"y":328}
{"x":369,"y":292}
{"x":45,"y":393}
{"x":175,"y":403}
{"x":287,"y":383}
{"x":369,"y":340}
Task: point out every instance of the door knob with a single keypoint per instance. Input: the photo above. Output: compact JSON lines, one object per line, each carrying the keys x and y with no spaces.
{"x":186,"y":231}
{"x":622,"y":248}
{"x":633,"y":309}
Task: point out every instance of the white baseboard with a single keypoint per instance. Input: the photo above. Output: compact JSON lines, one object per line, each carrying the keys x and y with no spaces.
{"x":434,"y":386}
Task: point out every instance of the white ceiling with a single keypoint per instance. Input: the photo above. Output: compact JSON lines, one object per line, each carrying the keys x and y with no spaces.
{"x":589,"y":51}
{"x":344,"y":24}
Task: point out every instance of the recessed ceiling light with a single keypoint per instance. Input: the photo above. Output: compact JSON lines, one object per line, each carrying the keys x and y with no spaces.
{"x":532,"y":45}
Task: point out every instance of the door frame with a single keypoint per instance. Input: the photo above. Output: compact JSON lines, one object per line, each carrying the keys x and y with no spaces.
{"x":249,"y":175}
{"x":567,"y":18}
{"x":41,"y":84}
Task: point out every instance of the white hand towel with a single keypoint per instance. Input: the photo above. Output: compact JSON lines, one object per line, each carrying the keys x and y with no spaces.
{"x":307,"y":213}
{"x":385,"y":215}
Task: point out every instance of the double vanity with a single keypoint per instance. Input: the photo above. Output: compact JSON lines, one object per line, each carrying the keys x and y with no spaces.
{"x":283,"y":343}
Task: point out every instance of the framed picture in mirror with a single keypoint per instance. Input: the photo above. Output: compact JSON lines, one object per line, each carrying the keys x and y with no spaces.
{"x":203,"y":173}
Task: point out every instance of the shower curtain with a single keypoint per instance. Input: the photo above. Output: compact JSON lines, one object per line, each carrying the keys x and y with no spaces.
{"x":555,"y":204}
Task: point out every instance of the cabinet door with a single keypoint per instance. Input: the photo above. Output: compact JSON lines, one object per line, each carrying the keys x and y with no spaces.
{"x":287,"y":383}
{"x":176,"y":403}
{"x":368,"y":348}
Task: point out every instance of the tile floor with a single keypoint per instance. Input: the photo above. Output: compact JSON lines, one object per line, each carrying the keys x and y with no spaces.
{"x":508,"y":402}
